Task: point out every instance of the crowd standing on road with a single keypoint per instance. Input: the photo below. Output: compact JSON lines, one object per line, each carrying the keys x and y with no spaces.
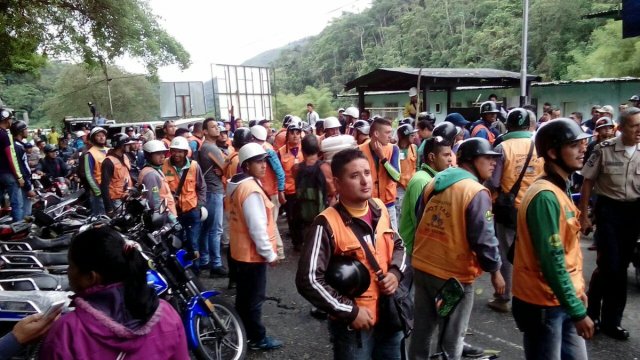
{"x":377,"y":216}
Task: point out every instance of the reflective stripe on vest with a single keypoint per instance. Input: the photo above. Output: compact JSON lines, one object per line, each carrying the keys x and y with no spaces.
{"x":288,"y":162}
{"x":164,"y":191}
{"x":347,"y":244}
{"x":490,"y":135}
{"x":121,"y":178}
{"x":384,"y":187}
{"x":188,"y":198}
{"x":243,"y":248}
{"x":515,"y":153}
{"x":98,"y":158}
{"x":408,"y":165}
{"x":440,"y":247}
{"x":269,"y":181}
{"x":529,"y":284}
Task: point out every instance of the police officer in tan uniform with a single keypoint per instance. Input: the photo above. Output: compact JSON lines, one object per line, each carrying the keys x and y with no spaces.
{"x":613,"y":172}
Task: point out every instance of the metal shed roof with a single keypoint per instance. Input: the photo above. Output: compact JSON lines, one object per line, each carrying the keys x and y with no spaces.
{"x":389,"y":79}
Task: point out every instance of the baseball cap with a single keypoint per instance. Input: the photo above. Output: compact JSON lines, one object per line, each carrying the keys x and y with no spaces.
{"x":604,"y":121}
{"x":606,"y":109}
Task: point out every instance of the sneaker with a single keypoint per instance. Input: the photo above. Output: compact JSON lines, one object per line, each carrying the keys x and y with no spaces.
{"x":471,"y":351}
{"x":266,"y":344}
{"x":218,"y":271}
{"x":499,"y":305}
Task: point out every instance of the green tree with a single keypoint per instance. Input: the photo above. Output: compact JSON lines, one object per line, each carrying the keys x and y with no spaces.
{"x":322,"y":99}
{"x":134,"y":97}
{"x":94,"y":31}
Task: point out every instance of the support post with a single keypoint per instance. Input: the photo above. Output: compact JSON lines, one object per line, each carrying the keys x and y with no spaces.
{"x":360,"y":99}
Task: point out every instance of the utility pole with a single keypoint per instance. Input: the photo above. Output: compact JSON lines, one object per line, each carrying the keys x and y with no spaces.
{"x":523,"y":67}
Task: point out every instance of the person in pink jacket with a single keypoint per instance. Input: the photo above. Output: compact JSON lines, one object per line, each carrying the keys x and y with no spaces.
{"x":117,"y":316}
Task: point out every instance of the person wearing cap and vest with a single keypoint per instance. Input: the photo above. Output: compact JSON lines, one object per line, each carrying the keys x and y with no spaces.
{"x":133,"y":150}
{"x":412,"y":107}
{"x":154,"y":181}
{"x":253,"y":242}
{"x":484,"y":128}
{"x":340,"y":230}
{"x":92,"y":176}
{"x":514,"y":149}
{"x":116,"y":177}
{"x":384,"y":161}
{"x":408,"y":161}
{"x":190,"y":194}
{"x":290,"y":155}
{"x":273,"y":181}
{"x":361,"y":131}
{"x":454,"y":239}
{"x":196,"y":139}
{"x":613,"y":173}
{"x":549,"y":301}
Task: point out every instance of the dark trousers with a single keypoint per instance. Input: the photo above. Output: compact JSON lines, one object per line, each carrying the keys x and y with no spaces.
{"x":250,"y":295}
{"x":617,"y":229}
{"x":295,"y":225}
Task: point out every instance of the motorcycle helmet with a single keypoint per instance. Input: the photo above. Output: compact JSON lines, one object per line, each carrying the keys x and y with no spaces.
{"x":352,"y":111}
{"x":179,"y":143}
{"x":18,"y":127}
{"x":204,"y":213}
{"x":251,"y":151}
{"x":474,"y":147}
{"x":241,"y":137}
{"x":154,"y":146}
{"x":406,"y":121}
{"x":286,"y":120}
{"x":362,"y":126}
{"x":446,"y":130}
{"x":119,"y":140}
{"x":97,"y":130}
{"x":331,"y":123}
{"x":406,"y":130}
{"x":49,"y":148}
{"x":489,"y":107}
{"x":259,"y":132}
{"x":294,"y":126}
{"x":518,"y":118}
{"x":556,"y":133}
{"x":348,"y":276}
{"x":426,"y":116}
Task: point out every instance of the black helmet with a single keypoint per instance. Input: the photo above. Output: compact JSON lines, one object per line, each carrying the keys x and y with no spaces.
{"x":405,"y":130}
{"x":119,"y":140}
{"x":252,"y":123}
{"x":446,"y":130}
{"x":489,"y":107}
{"x":518,"y":118}
{"x":241,"y":137}
{"x":426,"y":116}
{"x":286,"y":120}
{"x":556,"y":133}
{"x":18,"y":127}
{"x":49,"y":148}
{"x":348,"y":276}
{"x":474,"y":147}
{"x":294,"y":126}
{"x":406,"y":121}
{"x":635,"y":98}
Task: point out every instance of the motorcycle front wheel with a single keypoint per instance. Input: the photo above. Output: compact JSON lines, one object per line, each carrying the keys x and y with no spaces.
{"x":213,"y":343}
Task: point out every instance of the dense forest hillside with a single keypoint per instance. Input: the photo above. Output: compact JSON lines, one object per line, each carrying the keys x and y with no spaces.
{"x":460,"y":33}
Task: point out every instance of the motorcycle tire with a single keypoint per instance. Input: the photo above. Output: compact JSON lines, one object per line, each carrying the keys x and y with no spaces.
{"x":233,"y":346}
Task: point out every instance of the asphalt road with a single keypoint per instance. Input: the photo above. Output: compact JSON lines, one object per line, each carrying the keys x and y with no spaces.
{"x":286,"y":316}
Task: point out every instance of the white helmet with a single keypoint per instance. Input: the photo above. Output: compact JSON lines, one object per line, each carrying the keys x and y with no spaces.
{"x":352,"y":111}
{"x":80,"y":133}
{"x":331,"y":146}
{"x":96,"y":130}
{"x":331,"y":123}
{"x":295,"y":120}
{"x":259,"y":132}
{"x":204,"y":213}
{"x":154,"y":146}
{"x":179,"y":143}
{"x":413,"y":92}
{"x":251,"y":151}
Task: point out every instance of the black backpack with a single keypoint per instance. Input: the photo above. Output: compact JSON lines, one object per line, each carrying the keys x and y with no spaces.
{"x":311,"y":191}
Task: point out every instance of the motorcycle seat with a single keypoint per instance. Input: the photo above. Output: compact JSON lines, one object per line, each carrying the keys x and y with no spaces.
{"x":44,"y":281}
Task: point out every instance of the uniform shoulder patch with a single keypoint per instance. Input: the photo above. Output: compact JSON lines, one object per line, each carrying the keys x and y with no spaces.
{"x":488,"y":216}
{"x":606,"y":143}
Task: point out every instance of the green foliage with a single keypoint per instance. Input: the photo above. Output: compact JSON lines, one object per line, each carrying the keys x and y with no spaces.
{"x":439,"y":33}
{"x":607,"y":55}
{"x":134,"y":97}
{"x":94,"y":31}
{"x":322,"y":99}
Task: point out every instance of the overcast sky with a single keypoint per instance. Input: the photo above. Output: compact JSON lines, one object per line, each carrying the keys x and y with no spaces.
{"x":230,"y":32}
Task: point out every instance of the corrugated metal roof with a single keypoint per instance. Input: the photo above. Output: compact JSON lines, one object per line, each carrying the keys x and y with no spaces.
{"x":586,"y":81}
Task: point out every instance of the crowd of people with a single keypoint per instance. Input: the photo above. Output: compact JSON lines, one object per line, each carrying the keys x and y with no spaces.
{"x":420,"y":203}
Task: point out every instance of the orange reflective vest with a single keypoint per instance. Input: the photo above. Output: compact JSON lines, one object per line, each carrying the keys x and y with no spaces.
{"x":242,"y":246}
{"x":529,"y":284}
{"x":384,"y":187}
{"x":440,"y":246}
{"x":347,"y":244}
{"x":196,"y":139}
{"x":98,"y":158}
{"x":121,"y":178}
{"x":408,"y":165}
{"x":270,"y":181}
{"x":188,"y":197}
{"x":232,"y":168}
{"x":164,"y":191}
{"x":477,"y":128}
{"x":515,"y":153}
{"x":280,"y":139}
{"x":288,"y":161}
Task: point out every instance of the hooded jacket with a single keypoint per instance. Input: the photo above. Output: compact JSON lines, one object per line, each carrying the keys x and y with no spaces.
{"x":102,"y":328}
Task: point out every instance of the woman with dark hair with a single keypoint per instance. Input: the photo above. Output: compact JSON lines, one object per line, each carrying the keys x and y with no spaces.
{"x":117,"y":315}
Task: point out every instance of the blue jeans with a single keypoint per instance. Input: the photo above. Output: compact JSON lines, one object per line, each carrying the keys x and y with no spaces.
{"x":364,"y":344}
{"x":191,"y":225}
{"x":9,"y":184}
{"x":97,"y":205}
{"x":26,"y":203}
{"x":211,"y":231}
{"x":549,"y":333}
